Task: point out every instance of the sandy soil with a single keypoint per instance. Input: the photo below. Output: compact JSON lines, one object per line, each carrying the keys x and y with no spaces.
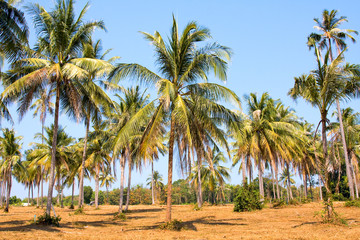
{"x":213,"y":222}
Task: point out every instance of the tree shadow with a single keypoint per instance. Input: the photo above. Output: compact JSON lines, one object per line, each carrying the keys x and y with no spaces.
{"x":144,"y":210}
{"x":25,"y":226}
{"x":305,"y":223}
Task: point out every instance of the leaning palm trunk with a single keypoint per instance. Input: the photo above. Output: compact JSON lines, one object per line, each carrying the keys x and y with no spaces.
{"x":170,"y":169}
{"x":53,"y":150}
{"x":82,"y":172}
{"x":97,"y":172}
{"x":129,"y":185}
{"x":152,"y":183}
{"x":347,"y":161}
{"x":122,"y":167}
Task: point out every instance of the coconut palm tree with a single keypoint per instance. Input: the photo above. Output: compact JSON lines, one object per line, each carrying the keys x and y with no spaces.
{"x":286,"y":178}
{"x":181,"y":64}
{"x":106,"y":180}
{"x":155,"y":181}
{"x":11,"y":158}
{"x":331,"y":33}
{"x":55,"y":62}
{"x":14,"y":30}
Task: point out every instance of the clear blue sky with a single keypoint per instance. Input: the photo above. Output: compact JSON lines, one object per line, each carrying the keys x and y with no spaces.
{"x":268,"y":39}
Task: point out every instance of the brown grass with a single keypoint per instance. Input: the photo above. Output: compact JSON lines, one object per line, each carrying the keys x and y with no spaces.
{"x":212,"y":222}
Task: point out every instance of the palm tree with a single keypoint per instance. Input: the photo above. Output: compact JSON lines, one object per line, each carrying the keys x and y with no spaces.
{"x":106,"y":179}
{"x":181,"y":64}
{"x":55,"y":63}
{"x":14,"y":30}
{"x":94,"y":98}
{"x":286,"y":178}
{"x":329,"y":26}
{"x":10,"y":152}
{"x":155,"y":181}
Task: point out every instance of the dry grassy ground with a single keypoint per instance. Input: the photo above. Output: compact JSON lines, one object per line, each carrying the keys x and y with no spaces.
{"x":213,"y":222}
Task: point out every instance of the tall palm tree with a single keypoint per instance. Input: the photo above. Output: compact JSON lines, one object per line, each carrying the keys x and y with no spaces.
{"x":286,"y":178}
{"x":331,"y":33}
{"x":55,"y":63}
{"x":181,"y":64}
{"x":155,"y":181}
{"x":106,"y":180}
{"x":11,"y":158}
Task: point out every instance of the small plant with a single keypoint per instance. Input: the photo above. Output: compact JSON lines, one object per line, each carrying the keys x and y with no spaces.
{"x":293,"y":202}
{"x":328,"y":215}
{"x":48,"y":220}
{"x":196,"y":207}
{"x":338,"y":197}
{"x":247,"y":199}
{"x":174,"y":225}
{"x":120,"y":216}
{"x":353,"y":203}
{"x":279,"y":203}
{"x":305,"y":200}
{"x":79,"y":211}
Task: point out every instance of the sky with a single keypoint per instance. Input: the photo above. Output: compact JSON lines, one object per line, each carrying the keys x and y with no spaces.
{"x":268,"y":40}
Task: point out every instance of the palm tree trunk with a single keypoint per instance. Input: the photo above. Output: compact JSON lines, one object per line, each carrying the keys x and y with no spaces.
{"x":53,"y":150}
{"x":273,"y":182}
{"x":311,"y":192}
{"x":28,"y":196}
{"x":82,"y":172}
{"x":8,"y":194}
{"x":122,"y":167}
{"x":199,"y":182}
{"x":305,"y":184}
{"x":129,"y":185}
{"x":72,"y":194}
{"x":61,"y":194}
{"x":261,"y":182}
{"x":107,"y":194}
{"x":58,"y":185}
{"x":277,"y":181}
{"x":152,"y":183}
{"x":347,"y":162}
{"x":170,"y":169}
{"x":42,"y":167}
{"x":38,"y":195}
{"x":97,"y":172}
{"x":355,"y":181}
{"x":1,"y":193}
{"x":320,"y":190}
{"x":243,"y":167}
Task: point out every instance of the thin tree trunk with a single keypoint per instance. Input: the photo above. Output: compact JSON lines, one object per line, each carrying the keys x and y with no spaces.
{"x":72,"y":194}
{"x":320,"y":190}
{"x":355,"y":181}
{"x":53,"y":151}
{"x":97,"y":172}
{"x":152,"y":183}
{"x":61,"y":194}
{"x":273,"y":182}
{"x":32,"y":194}
{"x":38,"y":195}
{"x":261,"y":182}
{"x":311,"y":192}
{"x":129,"y":185}
{"x":8,"y":194}
{"x":289,"y":183}
{"x":58,"y":185}
{"x":122,"y":167}
{"x":277,"y":181}
{"x":1,"y":193}
{"x":107,"y":195}
{"x":347,"y":162}
{"x":244,"y":170}
{"x":82,"y":172}
{"x":29,"y":196}
{"x":42,"y":168}
{"x":199,"y":182}
{"x":170,"y":169}
{"x":305,"y":184}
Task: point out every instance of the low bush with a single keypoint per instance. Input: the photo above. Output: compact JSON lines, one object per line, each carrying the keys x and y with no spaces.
{"x":338,"y":197}
{"x":120,"y":216}
{"x":48,"y":220}
{"x":247,"y":199}
{"x":353,"y":203}
{"x":79,"y":211}
{"x":279,"y":203}
{"x":174,"y":225}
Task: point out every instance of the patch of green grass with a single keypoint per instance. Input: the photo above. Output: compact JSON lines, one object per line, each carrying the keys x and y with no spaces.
{"x":120,"y":216}
{"x":174,"y":225}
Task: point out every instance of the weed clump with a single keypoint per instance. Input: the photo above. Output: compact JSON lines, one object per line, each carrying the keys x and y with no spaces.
{"x":120,"y":216}
{"x":174,"y":225}
{"x":79,"y":211}
{"x":48,"y":220}
{"x":352,"y":203}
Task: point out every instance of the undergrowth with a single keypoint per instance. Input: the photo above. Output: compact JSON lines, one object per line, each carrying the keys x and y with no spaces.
{"x":174,"y":225}
{"x":48,"y":220}
{"x":120,"y":216}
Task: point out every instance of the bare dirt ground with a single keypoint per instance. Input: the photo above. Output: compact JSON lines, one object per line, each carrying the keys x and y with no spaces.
{"x":212,"y":222}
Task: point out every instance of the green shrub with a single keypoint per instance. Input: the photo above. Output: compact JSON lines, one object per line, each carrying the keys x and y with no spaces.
{"x":174,"y":225}
{"x":306,"y":200}
{"x":353,"y":203}
{"x":338,"y":197}
{"x":79,"y":211}
{"x":294,"y":202}
{"x":120,"y":216}
{"x":48,"y":220}
{"x":247,"y":199}
{"x":196,"y":207}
